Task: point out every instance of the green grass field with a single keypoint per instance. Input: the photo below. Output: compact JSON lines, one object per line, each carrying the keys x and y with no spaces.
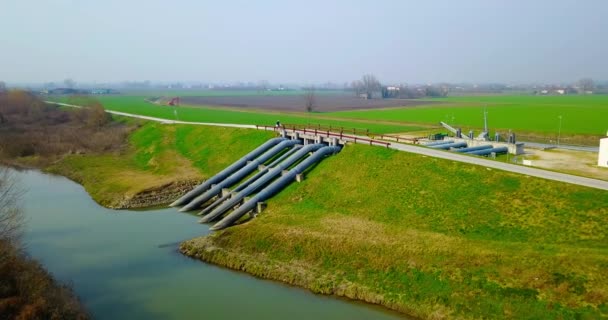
{"x":137,"y":105}
{"x":581,"y":114}
{"x":429,"y":237}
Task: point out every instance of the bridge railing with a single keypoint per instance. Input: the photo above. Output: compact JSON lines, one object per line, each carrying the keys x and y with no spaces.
{"x":355,"y":131}
{"x":329,"y":134}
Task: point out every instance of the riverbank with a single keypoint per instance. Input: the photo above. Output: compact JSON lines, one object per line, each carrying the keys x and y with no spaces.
{"x":428,"y":237}
{"x":28,"y":291}
{"x":125,"y":265}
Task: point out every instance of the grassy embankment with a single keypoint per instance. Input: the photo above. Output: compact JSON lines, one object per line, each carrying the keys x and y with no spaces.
{"x":429,"y":237}
{"x":158,"y":157}
{"x":582,"y":115}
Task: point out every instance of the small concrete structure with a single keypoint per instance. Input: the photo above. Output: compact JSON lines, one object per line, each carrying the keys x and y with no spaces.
{"x":602,"y":159}
{"x":311,"y":138}
{"x":514,"y":148}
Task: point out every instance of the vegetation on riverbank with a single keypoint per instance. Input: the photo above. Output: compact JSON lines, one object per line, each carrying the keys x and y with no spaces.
{"x":33,"y":133}
{"x":429,"y":237}
{"x":27,"y":291}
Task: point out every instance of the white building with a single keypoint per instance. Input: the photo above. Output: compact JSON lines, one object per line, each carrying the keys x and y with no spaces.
{"x":602,"y":159}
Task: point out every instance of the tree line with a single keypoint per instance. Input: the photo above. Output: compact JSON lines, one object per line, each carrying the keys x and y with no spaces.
{"x":39,"y":132}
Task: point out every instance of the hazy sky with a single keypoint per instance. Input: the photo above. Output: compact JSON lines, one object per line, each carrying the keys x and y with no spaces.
{"x":303,"y":41}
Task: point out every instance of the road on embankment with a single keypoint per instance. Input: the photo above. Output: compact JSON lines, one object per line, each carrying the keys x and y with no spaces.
{"x":534,"y":172}
{"x":551,"y":175}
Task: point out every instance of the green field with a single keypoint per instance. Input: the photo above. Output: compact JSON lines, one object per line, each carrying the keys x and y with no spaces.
{"x":429,"y":237}
{"x":581,"y":114}
{"x":137,"y":105}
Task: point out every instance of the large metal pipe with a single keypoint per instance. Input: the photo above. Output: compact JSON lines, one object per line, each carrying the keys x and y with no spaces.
{"x":273,"y":188}
{"x":271,"y":174}
{"x":487,"y":146}
{"x":284,"y":156}
{"x":215,"y":203}
{"x":237,"y":176}
{"x":447,"y":146}
{"x":226,"y":172}
{"x":248,"y":182}
{"x":438,"y":143}
{"x":486,"y":152}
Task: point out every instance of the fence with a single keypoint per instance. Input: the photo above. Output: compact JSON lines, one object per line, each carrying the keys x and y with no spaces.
{"x":328,"y":134}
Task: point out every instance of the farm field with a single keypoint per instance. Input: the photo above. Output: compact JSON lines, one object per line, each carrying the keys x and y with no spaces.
{"x":137,"y":105}
{"x":323,"y":103}
{"x":580,"y":114}
{"x":222,"y":92}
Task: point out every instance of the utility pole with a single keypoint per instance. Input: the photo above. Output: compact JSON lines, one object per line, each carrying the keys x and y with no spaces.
{"x":559,"y":130}
{"x":485,"y":120}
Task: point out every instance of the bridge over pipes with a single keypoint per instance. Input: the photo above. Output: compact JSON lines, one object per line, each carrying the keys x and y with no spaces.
{"x":243,"y":186}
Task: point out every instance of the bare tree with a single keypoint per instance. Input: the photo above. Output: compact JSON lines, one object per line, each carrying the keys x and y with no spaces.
{"x":11,"y":216}
{"x":586,"y":85}
{"x":370,"y":85}
{"x":357,"y":86}
{"x":310,"y":98}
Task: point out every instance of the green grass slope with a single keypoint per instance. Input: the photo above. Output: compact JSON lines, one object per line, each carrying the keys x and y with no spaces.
{"x":581,"y":114}
{"x":429,"y":237}
{"x":158,"y":155}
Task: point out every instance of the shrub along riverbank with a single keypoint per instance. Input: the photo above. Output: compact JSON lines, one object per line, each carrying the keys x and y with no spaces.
{"x":429,"y":237}
{"x":27,"y":291}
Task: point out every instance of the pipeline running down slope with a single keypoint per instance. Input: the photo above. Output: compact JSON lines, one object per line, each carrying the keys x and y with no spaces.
{"x":274,"y":187}
{"x":226,"y":172}
{"x":263,"y":180}
{"x":237,"y":176}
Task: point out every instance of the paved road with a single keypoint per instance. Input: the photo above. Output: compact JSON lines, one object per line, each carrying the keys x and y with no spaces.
{"x":562,"y":146}
{"x":562,"y":177}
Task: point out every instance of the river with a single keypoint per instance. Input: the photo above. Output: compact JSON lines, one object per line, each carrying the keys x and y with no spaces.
{"x":125,"y":264}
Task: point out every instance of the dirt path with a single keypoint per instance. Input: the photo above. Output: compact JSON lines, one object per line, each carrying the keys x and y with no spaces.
{"x":580,"y":163}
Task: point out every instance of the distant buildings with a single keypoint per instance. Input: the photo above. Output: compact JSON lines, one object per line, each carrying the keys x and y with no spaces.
{"x":556,"y":91}
{"x":72,"y":91}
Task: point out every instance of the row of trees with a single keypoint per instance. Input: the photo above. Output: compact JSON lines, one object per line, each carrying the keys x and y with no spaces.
{"x":367,"y":86}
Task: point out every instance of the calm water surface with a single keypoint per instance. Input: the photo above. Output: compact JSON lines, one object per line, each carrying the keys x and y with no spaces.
{"x":125,"y":264}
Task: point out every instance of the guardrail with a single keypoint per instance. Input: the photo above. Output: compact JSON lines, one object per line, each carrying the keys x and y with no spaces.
{"x":320,"y":127}
{"x":355,"y":131}
{"x":328,"y":134}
